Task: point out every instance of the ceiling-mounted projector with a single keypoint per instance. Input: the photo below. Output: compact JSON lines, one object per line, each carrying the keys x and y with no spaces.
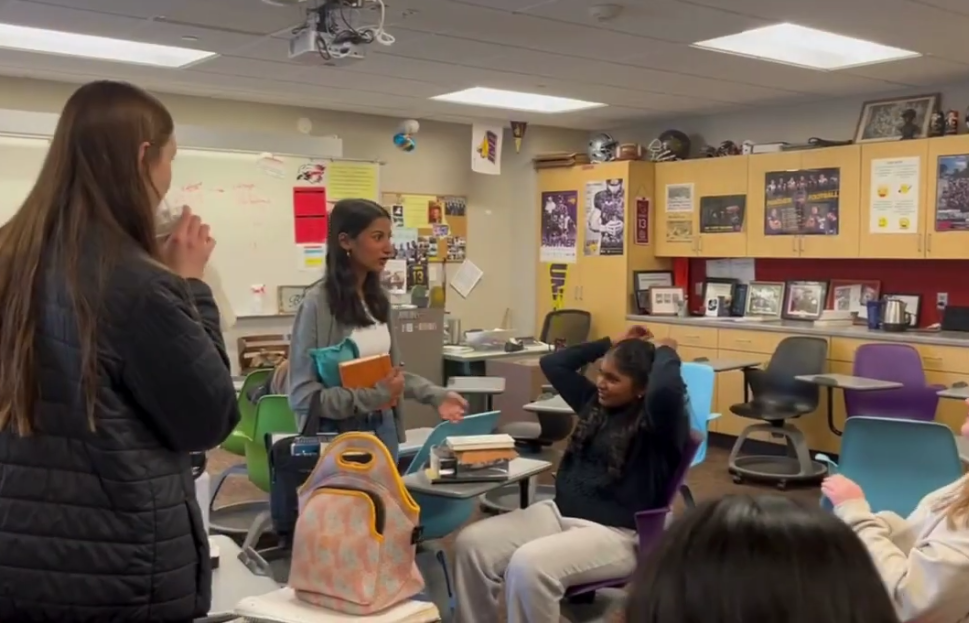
{"x":337,"y":32}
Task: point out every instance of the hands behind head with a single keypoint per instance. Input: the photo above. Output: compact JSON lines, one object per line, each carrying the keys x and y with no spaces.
{"x":634,"y":332}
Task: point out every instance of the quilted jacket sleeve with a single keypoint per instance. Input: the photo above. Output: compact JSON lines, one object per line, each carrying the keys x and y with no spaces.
{"x":176,"y":367}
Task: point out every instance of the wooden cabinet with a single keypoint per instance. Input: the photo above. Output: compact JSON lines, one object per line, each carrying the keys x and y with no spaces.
{"x":710,"y":177}
{"x":842,"y":245}
{"x":760,"y":244}
{"x":943,"y":245}
{"x":902,"y":245}
{"x":599,"y":284}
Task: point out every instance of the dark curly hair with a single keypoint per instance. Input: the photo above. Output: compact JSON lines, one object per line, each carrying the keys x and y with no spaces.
{"x":632,"y":358}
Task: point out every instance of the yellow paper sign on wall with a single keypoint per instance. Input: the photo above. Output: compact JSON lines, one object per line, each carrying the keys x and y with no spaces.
{"x":558,"y":274}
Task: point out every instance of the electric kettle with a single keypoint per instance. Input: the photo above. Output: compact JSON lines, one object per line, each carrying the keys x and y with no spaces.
{"x":894,"y":316}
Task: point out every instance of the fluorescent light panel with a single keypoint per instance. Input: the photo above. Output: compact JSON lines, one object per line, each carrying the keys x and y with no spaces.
{"x":100,"y":48}
{"x":514,"y":100}
{"x":805,"y":47}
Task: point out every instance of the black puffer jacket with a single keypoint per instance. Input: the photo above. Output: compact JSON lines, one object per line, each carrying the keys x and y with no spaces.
{"x":103,"y":526}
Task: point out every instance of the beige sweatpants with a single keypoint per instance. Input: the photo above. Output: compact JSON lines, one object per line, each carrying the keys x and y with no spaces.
{"x":536,"y":554}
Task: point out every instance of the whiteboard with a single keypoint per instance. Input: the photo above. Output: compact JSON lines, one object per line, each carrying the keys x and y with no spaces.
{"x":249,"y":207}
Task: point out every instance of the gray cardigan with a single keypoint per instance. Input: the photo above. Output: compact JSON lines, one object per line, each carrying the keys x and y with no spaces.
{"x":315,"y":327}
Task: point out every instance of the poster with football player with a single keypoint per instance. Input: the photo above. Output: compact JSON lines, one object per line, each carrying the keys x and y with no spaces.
{"x":559,"y":227}
{"x":606,"y":217}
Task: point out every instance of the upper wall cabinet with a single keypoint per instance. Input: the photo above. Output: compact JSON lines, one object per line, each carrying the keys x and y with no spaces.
{"x":903,"y":237}
{"x":948,"y":193}
{"x":710,"y":228}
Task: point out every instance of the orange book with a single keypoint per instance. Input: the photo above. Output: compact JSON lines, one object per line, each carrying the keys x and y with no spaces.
{"x":366,"y":372}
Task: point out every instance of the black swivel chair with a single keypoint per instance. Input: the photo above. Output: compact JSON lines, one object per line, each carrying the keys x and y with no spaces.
{"x":776,"y":397}
{"x":564,"y":327}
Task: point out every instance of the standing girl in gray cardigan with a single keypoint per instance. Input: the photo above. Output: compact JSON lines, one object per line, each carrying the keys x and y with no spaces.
{"x":351,"y":303}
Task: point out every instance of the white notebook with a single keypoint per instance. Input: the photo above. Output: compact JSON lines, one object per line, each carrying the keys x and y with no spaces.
{"x":282,"y":606}
{"x":480,"y":442}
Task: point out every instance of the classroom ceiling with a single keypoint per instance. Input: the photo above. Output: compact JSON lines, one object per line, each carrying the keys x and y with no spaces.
{"x":639,"y":63}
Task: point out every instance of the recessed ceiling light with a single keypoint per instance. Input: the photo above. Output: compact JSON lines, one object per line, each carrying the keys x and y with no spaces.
{"x":515,"y":100}
{"x":100,"y":48}
{"x":805,"y":47}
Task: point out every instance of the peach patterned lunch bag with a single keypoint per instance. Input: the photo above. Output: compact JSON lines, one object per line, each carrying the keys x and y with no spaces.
{"x":354,"y":548}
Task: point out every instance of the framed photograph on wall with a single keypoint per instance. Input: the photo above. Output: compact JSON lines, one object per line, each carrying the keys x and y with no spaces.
{"x":666,"y":301}
{"x":888,"y":119}
{"x":852,"y":295}
{"x":805,"y":300}
{"x":765,"y":299}
{"x":913,"y":306}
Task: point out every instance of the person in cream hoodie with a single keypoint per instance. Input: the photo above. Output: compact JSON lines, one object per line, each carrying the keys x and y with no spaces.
{"x":923,"y":559}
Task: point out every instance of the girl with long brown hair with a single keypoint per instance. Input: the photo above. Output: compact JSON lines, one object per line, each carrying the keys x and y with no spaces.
{"x":112,"y":371}
{"x":923,"y":559}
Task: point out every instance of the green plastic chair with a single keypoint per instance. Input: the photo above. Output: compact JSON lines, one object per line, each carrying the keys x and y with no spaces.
{"x":236,"y":441}
{"x":273,"y":417}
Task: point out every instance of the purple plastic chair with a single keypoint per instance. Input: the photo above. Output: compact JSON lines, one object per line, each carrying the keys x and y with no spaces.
{"x":892,"y":362}
{"x":649,"y":524}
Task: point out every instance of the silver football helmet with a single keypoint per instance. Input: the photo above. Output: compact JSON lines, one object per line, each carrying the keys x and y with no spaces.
{"x":603,"y":148}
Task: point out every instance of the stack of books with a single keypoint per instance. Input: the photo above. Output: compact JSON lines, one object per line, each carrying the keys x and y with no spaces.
{"x":475,"y":458}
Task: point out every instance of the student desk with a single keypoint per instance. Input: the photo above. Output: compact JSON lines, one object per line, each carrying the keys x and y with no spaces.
{"x":479,"y":389}
{"x":461,"y":361}
{"x":520,"y":470}
{"x":960,"y":392}
{"x":844,"y":381}
{"x":232,"y":581}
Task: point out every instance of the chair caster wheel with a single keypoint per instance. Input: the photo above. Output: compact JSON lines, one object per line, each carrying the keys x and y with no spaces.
{"x":737,"y":479}
{"x":782,"y":485}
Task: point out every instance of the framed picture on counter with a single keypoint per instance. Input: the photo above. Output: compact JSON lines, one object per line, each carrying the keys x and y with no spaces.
{"x":715,"y":289}
{"x":643,"y":280}
{"x":666,"y":301}
{"x":853,"y":295}
{"x":805,"y":300}
{"x":765,"y":299}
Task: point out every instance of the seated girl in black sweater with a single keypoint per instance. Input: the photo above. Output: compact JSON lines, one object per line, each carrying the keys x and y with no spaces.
{"x":631,"y":435}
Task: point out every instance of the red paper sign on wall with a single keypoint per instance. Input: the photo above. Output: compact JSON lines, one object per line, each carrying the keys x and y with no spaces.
{"x":642,"y":220}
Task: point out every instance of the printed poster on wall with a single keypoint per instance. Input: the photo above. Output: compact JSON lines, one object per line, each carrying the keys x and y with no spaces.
{"x":679,"y":198}
{"x":952,"y":202}
{"x":486,"y":148}
{"x":803,"y":202}
{"x":722,"y":214}
{"x":605,"y":212}
{"x":895,"y":191}
{"x":642,"y":221}
{"x":559,"y":226}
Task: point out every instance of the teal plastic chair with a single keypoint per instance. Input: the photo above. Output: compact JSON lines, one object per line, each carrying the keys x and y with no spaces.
{"x":442,"y":516}
{"x":235,"y":443}
{"x":699,"y":380}
{"x":896,"y":462}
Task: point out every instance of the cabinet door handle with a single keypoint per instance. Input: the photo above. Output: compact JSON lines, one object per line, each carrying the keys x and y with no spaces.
{"x":800,"y":244}
{"x":938,"y":359}
{"x":794,"y":244}
{"x":699,"y":240}
{"x":582,"y":293}
{"x":929,"y":243}
{"x":919,"y":249}
{"x":742,"y":341}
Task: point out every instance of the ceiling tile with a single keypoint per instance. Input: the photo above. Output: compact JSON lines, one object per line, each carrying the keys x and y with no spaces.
{"x":130,"y":8}
{"x":453,"y":49}
{"x":453,"y":76}
{"x":507,"y":5}
{"x":955,"y":6}
{"x":248,"y":16}
{"x":68,"y":19}
{"x":235,"y":66}
{"x":662,"y":19}
{"x":924,"y":71}
{"x":628,"y":77}
{"x":737,"y":73}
